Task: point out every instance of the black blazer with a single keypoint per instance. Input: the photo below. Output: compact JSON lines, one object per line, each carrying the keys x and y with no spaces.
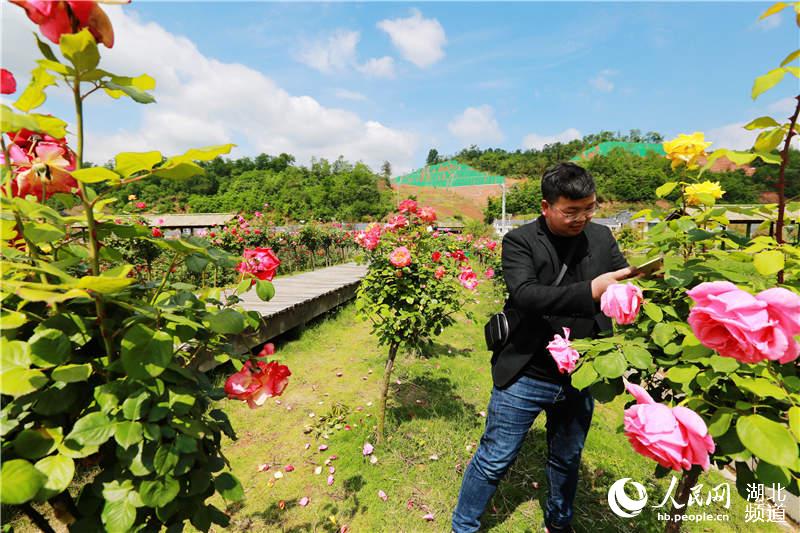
{"x":530,"y":266}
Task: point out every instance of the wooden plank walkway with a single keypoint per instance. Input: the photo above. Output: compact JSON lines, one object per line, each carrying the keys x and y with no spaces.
{"x":303,"y":297}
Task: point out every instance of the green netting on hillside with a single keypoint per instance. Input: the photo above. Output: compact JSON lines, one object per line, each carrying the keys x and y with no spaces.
{"x":640,"y":149}
{"x":448,"y":174}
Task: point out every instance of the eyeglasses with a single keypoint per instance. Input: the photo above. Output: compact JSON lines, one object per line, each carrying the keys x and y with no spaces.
{"x":574,"y":217}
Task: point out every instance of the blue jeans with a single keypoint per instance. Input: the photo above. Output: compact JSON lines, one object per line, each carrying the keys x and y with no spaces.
{"x":511,"y":412}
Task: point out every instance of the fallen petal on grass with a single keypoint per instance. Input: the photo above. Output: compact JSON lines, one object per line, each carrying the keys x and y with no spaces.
{"x":382,"y":495}
{"x":367,"y":449}
{"x":303,"y":501}
{"x":330,"y":480}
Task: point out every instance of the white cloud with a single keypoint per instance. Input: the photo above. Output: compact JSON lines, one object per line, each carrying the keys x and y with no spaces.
{"x":602,"y":81}
{"x":534,"y":141}
{"x":344,"y":94}
{"x":418,"y":39}
{"x":783,"y":107}
{"x":378,"y":67}
{"x":202,"y":101}
{"x":333,"y":54}
{"x":735,"y":137}
{"x":476,"y":125}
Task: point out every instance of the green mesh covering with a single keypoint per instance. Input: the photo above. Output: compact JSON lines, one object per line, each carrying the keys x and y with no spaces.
{"x":640,"y":149}
{"x":448,"y":174}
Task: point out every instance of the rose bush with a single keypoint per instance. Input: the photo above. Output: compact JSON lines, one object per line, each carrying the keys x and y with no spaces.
{"x":99,"y":364}
{"x":717,"y":331}
{"x":410,"y":292}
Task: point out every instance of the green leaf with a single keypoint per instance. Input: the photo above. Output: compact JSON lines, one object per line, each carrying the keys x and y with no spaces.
{"x":227,"y":322}
{"x":59,"y":471}
{"x":768,"y":262}
{"x":114,"y":89}
{"x":761,"y":123}
{"x":45,"y":49}
{"x":760,"y":387}
{"x":767,"y":81}
{"x":128,"y":433}
{"x":206,"y":153}
{"x":666,"y":188}
{"x":663,"y":333}
{"x":584,"y":376}
{"x":768,"y":140}
{"x":36,"y":443}
{"x":14,"y":354}
{"x":637,"y":356}
{"x":719,"y":423}
{"x":92,"y":430}
{"x":165,"y":459}
{"x":244,"y":286}
{"x":771,"y":159}
{"x":770,"y":474}
{"x":682,"y":374}
{"x":118,"y":516}
{"x":767,"y":440}
{"x":791,"y":57}
{"x":612,"y":365}
{"x":159,"y":492}
{"x":11,"y":319}
{"x":229,"y":487}
{"x":72,"y":373}
{"x":129,"y":163}
{"x":114,"y":491}
{"x":653,"y":311}
{"x":40,"y":232}
{"x":49,"y":347}
{"x":104,"y":284}
{"x":81,"y":49}
{"x":10,"y":120}
{"x":794,"y":421}
{"x":133,"y":407}
{"x":20,"y":381}
{"x":145,"y":353}
{"x":179,"y":171}
{"x":19,"y":482}
{"x":794,"y":71}
{"x":723,"y":364}
{"x":265,"y":290}
{"x":96,"y":175}
{"x":34,"y":94}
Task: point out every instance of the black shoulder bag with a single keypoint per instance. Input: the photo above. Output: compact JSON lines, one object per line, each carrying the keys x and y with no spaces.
{"x":500,"y":326}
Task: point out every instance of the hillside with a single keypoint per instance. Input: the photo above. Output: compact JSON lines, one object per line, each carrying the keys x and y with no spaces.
{"x":468,"y":202}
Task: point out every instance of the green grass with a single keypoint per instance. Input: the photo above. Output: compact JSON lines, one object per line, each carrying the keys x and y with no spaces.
{"x":435,"y":410}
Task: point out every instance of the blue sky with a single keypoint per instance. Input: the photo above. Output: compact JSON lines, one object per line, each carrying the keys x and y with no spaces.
{"x":387,"y":81}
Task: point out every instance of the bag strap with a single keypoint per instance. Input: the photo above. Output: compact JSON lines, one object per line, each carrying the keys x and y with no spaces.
{"x":563,"y":271}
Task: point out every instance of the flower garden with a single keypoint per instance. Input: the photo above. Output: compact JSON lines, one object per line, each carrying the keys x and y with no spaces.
{"x":368,"y":419}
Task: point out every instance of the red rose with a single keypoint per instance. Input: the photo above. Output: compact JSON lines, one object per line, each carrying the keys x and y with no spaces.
{"x":255,"y":386}
{"x":260,"y":262}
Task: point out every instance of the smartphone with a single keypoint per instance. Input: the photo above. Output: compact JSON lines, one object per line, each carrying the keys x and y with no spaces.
{"x":649,"y":267}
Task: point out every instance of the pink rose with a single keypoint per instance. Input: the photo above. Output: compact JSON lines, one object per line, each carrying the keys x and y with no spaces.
{"x":491,"y":245}
{"x":440,"y":272}
{"x":256,"y":385}
{"x":675,"y":438}
{"x":426,"y":214}
{"x":400,"y":257}
{"x":396,"y":221}
{"x":407,"y":206}
{"x":489,"y":274}
{"x":468,"y":279}
{"x":563,"y":353}
{"x":621,"y":302}
{"x":748,"y":328}
{"x":260,"y":262}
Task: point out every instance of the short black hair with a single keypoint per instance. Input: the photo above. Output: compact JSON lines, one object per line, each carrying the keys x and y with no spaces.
{"x":566,"y":179}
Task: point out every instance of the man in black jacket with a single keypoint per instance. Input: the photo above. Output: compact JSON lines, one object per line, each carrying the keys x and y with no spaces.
{"x":526,"y":378}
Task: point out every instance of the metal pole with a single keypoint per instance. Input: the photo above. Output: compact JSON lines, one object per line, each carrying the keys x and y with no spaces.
{"x":503,"y":216}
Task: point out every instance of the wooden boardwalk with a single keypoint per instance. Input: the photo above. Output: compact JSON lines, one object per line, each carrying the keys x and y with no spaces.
{"x":300,"y":298}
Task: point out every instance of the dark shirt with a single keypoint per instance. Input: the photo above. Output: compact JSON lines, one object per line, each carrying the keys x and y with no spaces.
{"x":542,"y":365}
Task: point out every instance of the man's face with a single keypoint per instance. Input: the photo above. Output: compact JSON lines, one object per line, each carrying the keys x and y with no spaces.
{"x":568,"y":217}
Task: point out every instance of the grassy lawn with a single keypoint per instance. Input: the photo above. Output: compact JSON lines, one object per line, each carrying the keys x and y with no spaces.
{"x":434,"y":421}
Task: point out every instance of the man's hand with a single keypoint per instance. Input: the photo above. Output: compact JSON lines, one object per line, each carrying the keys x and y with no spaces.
{"x":601,"y":282}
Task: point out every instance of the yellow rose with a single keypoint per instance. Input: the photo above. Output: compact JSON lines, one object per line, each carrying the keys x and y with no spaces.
{"x":686,"y":149}
{"x":131,"y":197}
{"x":701,"y":193}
